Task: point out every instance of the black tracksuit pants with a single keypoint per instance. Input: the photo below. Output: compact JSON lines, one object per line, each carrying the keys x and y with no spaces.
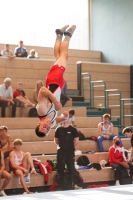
{"x":118,"y":168}
{"x":63,"y":158}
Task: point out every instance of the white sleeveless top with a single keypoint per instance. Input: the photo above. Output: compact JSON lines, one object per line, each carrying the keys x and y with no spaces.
{"x":18,"y":161}
{"x":43,"y":109}
{"x":105,"y":130}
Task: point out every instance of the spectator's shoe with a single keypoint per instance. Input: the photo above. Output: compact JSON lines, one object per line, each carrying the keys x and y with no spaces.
{"x":2,"y":193}
{"x":76,"y":187}
{"x":33,"y":171}
{"x":25,"y":193}
{"x":117,"y":183}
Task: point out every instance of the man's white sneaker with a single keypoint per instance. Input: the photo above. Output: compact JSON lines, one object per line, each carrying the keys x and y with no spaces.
{"x":117,"y":182}
{"x":77,"y":187}
{"x":25,"y":193}
{"x":2,"y":193}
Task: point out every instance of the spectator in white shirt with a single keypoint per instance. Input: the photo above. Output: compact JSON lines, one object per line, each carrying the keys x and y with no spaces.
{"x":6,"y":97}
{"x":7,"y":53}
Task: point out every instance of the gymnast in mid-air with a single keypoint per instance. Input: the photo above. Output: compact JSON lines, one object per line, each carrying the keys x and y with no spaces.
{"x":49,"y":96}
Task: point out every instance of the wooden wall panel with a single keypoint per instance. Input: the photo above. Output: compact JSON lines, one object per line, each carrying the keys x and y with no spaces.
{"x":29,"y":71}
{"x":48,"y":51}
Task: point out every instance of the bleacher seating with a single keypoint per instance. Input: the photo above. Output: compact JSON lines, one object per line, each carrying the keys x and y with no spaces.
{"x":28,"y":72}
{"x":24,"y":128}
{"x":116,"y":77}
{"x":91,"y":175}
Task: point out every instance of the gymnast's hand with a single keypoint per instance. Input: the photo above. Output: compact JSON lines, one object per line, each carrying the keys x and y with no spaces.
{"x":66,"y":114}
{"x":57,"y":105}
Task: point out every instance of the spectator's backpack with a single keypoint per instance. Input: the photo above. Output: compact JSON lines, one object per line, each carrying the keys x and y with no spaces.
{"x":81,"y":135}
{"x":33,"y":112}
{"x":83,"y":161}
{"x":53,"y":163}
{"x":91,"y":138}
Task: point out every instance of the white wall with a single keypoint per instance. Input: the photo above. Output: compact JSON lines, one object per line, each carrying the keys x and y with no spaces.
{"x":35,"y":21}
{"x":112,"y":30}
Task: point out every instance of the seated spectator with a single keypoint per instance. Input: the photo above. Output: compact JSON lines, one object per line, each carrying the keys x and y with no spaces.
{"x":39,"y":84}
{"x":106,"y":131}
{"x":20,"y":97}
{"x":3,"y":174}
{"x":20,"y":51}
{"x":6,"y":97}
{"x":5,"y":141}
{"x":5,"y":128}
{"x":33,"y":54}
{"x":21,"y":163}
{"x":7,"y":53}
{"x":71,"y":117}
{"x":117,"y":159}
{"x":64,"y":98}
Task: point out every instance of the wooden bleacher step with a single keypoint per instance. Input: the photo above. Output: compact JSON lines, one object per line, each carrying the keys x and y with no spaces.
{"x":89,"y":175}
{"x":49,"y":147}
{"x":28,"y":135}
{"x":30,"y":123}
{"x":79,"y":111}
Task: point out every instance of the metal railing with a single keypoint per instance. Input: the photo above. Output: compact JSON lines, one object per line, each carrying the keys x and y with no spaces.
{"x":88,"y":85}
{"x":86,"y":79}
{"x":123,"y":104}
{"x":95,"y":84}
{"x":116,"y":92}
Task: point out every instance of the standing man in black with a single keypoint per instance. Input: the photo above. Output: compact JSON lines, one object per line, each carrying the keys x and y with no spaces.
{"x":66,"y":138}
{"x":128,"y":132}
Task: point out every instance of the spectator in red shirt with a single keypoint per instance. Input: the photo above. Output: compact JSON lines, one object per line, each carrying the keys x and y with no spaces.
{"x":117,"y":158}
{"x":20,"y":97}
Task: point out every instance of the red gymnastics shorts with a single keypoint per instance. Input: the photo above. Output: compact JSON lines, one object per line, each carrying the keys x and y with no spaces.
{"x":14,"y":169}
{"x":55,"y":76}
